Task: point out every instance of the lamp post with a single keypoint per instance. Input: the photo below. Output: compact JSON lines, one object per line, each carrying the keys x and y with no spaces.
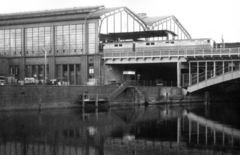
{"x":45,"y":58}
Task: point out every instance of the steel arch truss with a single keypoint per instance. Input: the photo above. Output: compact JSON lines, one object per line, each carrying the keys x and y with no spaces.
{"x":182,"y":34}
{"x":105,"y":16}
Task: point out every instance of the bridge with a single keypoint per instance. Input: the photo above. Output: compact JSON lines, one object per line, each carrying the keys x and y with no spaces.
{"x":209,"y":78}
{"x":171,"y":55}
{"x":206,"y":66}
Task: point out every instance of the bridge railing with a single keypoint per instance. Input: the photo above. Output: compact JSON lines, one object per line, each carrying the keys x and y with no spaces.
{"x":150,"y":83}
{"x":172,"y":52}
{"x":194,"y":78}
{"x":199,"y":77}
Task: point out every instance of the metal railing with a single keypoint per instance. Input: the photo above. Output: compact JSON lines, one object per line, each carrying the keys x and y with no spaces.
{"x":172,"y":53}
{"x":196,"y":78}
{"x":151,"y":83}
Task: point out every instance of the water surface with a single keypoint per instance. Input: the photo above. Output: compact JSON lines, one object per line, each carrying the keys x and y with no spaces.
{"x":139,"y":130}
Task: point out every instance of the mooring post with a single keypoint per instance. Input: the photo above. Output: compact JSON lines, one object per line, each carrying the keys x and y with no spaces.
{"x":167,"y":96}
{"x":190,"y":131}
{"x":197,"y":133}
{"x":223,"y":139}
{"x":96,"y":113}
{"x":206,"y":135}
{"x":138,"y":99}
{"x":135,"y":97}
{"x":83,"y":102}
{"x":109,"y":101}
{"x":96,"y":101}
{"x":40,"y":103}
{"x":146,"y":103}
{"x":83,"y":114}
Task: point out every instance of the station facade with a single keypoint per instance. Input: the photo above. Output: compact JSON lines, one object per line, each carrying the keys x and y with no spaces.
{"x":72,"y":45}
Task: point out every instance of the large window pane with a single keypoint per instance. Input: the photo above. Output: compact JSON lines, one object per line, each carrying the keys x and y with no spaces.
{"x":69,"y":39}
{"x":91,"y":39}
{"x":37,"y":38}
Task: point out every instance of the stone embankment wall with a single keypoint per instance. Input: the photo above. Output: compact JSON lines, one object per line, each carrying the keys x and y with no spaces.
{"x":16,"y":97}
{"x":170,"y":95}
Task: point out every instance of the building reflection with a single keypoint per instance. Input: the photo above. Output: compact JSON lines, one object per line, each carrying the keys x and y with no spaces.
{"x":131,"y":130}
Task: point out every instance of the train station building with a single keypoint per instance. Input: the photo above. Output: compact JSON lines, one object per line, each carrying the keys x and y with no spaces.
{"x":95,"y":44}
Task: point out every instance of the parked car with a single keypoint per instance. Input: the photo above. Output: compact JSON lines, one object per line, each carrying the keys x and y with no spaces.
{"x":52,"y":82}
{"x":29,"y":80}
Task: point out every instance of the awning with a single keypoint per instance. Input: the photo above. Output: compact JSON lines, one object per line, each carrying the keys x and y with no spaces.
{"x":136,"y":35}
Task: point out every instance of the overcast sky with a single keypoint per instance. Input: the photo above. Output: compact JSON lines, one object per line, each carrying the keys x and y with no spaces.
{"x":201,"y":18}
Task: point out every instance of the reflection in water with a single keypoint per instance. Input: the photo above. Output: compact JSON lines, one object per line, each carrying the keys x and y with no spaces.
{"x":131,"y":130}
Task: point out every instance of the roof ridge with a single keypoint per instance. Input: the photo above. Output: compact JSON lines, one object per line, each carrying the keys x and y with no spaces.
{"x":53,"y":10}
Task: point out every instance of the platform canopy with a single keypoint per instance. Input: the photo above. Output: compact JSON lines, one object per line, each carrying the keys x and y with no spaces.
{"x":136,"y":35}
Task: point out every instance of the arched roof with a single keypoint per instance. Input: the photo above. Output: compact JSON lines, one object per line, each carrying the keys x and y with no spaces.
{"x":150,"y":20}
{"x":105,"y":12}
{"x":146,"y":22}
{"x":80,"y":13}
{"x":153,"y":21}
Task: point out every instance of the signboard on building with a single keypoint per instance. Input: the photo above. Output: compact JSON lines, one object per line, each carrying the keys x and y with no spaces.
{"x":128,"y":72}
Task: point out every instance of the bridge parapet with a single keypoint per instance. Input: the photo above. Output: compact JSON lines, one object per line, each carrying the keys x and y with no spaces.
{"x":187,"y":54}
{"x":217,"y":72}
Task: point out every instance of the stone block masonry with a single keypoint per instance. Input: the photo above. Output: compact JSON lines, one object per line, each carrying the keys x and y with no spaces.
{"x":15,"y":97}
{"x":35,"y":97}
{"x":27,"y":97}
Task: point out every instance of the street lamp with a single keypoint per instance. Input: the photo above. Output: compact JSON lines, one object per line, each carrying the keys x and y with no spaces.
{"x":45,"y":54}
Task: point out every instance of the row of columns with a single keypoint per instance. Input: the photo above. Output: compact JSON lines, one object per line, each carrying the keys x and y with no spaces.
{"x":179,"y":74}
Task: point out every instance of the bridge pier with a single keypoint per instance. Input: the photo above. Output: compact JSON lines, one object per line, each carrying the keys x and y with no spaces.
{"x":179,"y":130}
{"x":178,"y":74}
{"x":206,"y":99}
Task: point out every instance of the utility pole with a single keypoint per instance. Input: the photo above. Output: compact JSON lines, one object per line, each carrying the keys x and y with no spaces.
{"x":45,"y":58}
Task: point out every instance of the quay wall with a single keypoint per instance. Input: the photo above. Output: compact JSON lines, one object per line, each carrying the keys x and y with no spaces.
{"x":26,"y":97}
{"x":14,"y":97}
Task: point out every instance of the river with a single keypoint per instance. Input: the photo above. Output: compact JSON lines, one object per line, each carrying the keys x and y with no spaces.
{"x":134,"y":130}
